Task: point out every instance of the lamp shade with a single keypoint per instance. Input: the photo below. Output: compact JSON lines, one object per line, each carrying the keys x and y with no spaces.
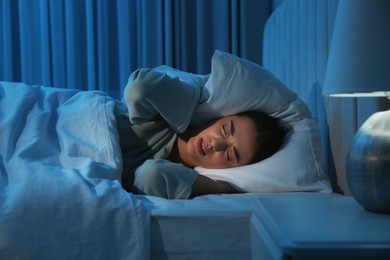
{"x":359,"y":58}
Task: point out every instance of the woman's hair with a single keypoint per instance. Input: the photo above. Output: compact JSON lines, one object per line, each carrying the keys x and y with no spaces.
{"x":270,"y":134}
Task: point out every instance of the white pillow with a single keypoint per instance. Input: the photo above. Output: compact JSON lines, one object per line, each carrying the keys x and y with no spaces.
{"x":236,"y":85}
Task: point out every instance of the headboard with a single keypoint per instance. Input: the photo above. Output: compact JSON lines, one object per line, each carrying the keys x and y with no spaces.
{"x":296,"y":43}
{"x":297,"y":38}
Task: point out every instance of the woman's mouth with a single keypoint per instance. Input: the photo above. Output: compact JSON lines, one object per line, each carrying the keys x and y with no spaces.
{"x":200,"y":148}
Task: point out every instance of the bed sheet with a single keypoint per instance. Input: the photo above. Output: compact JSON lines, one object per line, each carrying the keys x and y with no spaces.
{"x":60,"y":197}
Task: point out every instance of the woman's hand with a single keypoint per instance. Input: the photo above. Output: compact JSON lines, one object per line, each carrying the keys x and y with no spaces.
{"x":204,"y":185}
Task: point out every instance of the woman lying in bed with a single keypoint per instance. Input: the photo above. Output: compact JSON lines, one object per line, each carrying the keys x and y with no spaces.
{"x":159,"y":150}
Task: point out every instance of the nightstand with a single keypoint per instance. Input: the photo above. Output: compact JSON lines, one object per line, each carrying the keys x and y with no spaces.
{"x":317,"y":226}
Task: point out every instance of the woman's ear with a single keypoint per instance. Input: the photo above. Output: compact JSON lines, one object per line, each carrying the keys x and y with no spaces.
{"x":194,"y":131}
{"x":190,"y":132}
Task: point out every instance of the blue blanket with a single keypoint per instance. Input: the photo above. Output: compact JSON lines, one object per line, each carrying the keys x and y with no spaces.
{"x":60,"y":165}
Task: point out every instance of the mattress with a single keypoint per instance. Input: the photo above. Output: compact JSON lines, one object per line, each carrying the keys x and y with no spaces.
{"x":206,"y":227}
{"x":210,"y":226}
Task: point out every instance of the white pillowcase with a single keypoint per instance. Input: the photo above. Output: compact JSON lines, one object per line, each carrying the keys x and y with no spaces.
{"x":236,"y":85}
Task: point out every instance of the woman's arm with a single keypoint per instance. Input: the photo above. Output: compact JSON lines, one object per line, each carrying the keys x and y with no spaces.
{"x":204,"y":185}
{"x":169,"y":180}
{"x":161,"y":92}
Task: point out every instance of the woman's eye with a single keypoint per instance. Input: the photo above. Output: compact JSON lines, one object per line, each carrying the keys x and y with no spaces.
{"x":226,"y":130}
{"x":230,"y":154}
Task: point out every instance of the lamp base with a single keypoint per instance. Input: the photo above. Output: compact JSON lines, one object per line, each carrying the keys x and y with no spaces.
{"x":368,"y":164}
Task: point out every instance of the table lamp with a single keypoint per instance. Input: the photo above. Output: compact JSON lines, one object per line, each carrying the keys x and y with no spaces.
{"x":359,"y":66}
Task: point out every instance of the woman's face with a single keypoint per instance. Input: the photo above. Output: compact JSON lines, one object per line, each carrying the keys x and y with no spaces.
{"x":228,"y":142}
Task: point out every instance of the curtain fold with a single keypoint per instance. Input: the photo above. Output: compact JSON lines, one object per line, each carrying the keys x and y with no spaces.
{"x":96,"y":44}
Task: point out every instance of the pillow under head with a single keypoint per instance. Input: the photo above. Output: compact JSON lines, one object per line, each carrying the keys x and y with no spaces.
{"x":236,"y":85}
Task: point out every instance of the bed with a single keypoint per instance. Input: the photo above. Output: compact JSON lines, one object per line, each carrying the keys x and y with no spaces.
{"x":61,"y":195}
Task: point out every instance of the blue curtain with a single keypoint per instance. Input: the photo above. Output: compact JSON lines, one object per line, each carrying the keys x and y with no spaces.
{"x":96,"y":44}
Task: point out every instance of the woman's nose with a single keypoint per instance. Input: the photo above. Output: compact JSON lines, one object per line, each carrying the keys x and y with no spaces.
{"x":220,"y":144}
